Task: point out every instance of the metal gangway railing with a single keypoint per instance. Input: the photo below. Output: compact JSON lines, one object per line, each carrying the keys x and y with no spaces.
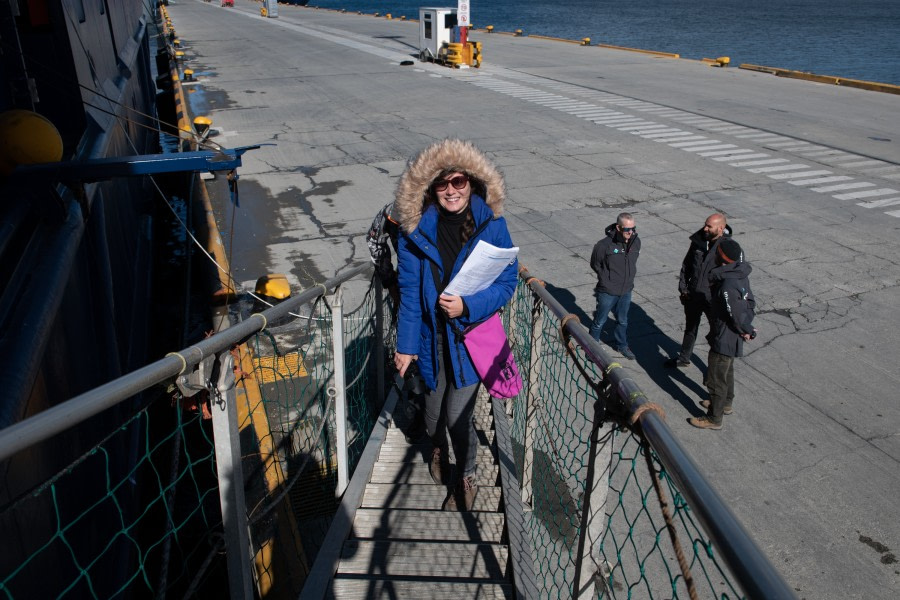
{"x":170,"y":503}
{"x":614,"y":505}
{"x":227,"y":437}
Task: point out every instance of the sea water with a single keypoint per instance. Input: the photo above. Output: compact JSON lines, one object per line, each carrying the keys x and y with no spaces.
{"x":855,"y":39}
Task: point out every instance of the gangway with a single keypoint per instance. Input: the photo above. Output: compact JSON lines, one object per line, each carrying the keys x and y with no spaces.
{"x":390,"y":536}
{"x":584,"y":490}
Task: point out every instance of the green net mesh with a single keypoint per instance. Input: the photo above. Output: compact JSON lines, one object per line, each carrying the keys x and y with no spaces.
{"x":138,"y":514}
{"x":623,"y":548}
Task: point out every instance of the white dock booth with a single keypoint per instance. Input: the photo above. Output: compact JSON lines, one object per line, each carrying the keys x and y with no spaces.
{"x":435,"y":29}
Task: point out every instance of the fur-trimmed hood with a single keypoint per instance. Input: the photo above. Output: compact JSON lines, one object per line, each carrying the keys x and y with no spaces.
{"x":410,"y":198}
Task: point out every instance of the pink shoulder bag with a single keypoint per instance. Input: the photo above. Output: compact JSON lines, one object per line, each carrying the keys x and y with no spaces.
{"x":493,"y":358}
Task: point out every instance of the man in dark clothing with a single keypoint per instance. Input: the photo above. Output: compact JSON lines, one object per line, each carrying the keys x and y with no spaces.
{"x":731,"y":324}
{"x":615,"y":261}
{"x":693,"y":282}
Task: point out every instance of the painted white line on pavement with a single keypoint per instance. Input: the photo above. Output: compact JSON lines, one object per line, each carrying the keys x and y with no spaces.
{"x":843,"y":186}
{"x":866,"y":194}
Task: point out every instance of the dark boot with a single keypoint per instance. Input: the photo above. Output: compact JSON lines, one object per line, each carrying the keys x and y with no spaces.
{"x":463,"y":496}
{"x":439,"y":465}
{"x":704,"y":422}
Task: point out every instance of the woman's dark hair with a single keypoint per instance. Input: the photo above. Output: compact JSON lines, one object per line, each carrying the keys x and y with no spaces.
{"x":478,"y":187}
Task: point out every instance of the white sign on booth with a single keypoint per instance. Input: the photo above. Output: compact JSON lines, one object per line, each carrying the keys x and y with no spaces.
{"x":462,"y":13}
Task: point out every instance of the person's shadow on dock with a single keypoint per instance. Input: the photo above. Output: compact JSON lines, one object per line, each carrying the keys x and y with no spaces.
{"x":651,"y":348}
{"x":567,"y":299}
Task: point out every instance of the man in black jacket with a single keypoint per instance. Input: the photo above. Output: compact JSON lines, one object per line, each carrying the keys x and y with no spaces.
{"x":693,"y":282}
{"x":731,"y":324}
{"x":614,"y":260}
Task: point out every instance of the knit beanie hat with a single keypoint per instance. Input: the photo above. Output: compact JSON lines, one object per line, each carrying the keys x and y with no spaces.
{"x":730,"y":251}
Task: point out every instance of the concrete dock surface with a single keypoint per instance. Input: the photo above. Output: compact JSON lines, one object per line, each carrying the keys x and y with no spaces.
{"x":808,"y":175}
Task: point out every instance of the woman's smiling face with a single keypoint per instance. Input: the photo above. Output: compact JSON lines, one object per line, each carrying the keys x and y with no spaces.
{"x":456,"y":192}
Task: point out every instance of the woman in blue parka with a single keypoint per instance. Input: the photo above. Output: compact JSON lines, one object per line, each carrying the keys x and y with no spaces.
{"x":450,"y":197}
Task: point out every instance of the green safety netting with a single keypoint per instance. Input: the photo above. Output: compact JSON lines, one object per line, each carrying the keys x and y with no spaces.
{"x":623,"y":548}
{"x":138,"y":514}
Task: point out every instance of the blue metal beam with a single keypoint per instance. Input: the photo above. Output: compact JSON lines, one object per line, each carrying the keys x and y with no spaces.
{"x":100,"y":169}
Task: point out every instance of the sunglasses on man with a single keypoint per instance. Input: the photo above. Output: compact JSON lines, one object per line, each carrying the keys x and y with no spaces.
{"x":627,"y":229}
{"x":458,"y":182}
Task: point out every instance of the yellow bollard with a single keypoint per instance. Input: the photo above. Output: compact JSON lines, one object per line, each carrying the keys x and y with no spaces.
{"x":202,"y":125}
{"x":518,"y":32}
{"x":586,"y":41}
{"x":188,"y":75}
{"x":723,"y":61}
{"x":490,"y":29}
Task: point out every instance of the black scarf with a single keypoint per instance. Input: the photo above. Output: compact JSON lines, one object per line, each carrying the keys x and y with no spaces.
{"x":449,"y":240}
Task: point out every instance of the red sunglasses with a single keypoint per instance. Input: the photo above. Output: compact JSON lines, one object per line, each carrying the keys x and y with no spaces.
{"x":458,"y":182}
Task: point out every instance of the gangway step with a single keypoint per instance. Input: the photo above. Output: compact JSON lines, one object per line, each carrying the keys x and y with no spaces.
{"x":428,"y":525}
{"x":394,"y":437}
{"x":482,"y":421}
{"x":351,"y":589}
{"x":425,"y":496}
{"x":421,"y":454}
{"x":436,"y":561}
{"x":418,"y":472}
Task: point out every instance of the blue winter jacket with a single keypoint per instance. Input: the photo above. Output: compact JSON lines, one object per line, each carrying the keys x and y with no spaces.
{"x":417,"y":327}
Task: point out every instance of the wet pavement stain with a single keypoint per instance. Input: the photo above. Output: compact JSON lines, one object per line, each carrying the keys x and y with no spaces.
{"x":887,"y":557}
{"x":204,"y":99}
{"x":328,"y":188}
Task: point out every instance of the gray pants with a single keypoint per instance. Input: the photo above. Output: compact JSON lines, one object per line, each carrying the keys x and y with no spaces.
{"x":720,"y":383}
{"x":451,"y":408}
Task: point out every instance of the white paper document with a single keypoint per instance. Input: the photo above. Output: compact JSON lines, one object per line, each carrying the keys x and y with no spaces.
{"x":481,"y":268}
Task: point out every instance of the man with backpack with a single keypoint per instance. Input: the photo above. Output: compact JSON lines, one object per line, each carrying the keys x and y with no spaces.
{"x":693,"y":283}
{"x":731,"y":324}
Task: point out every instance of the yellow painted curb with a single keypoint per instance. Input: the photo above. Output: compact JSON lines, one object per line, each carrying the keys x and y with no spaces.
{"x":556,"y":39}
{"x":653,"y":52}
{"x":874,"y":86}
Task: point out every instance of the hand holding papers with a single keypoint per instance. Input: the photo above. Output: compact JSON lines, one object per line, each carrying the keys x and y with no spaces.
{"x":481,"y":268}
